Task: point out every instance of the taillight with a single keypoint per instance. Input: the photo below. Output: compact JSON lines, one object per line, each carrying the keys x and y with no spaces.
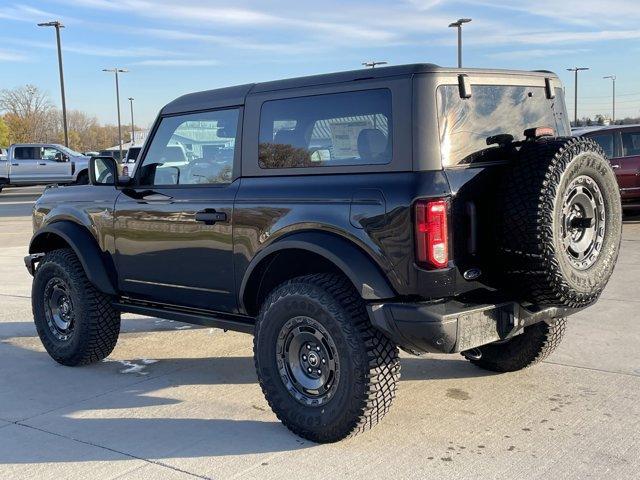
{"x":432,"y":236}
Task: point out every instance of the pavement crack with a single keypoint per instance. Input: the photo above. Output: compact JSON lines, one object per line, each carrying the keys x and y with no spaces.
{"x":593,"y":369}
{"x":14,"y":296}
{"x":154,"y":462}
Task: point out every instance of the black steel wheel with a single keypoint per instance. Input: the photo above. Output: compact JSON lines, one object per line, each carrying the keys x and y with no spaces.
{"x":76,"y":323}
{"x":307,"y":359}
{"x":325,"y":371}
{"x":58,"y":308}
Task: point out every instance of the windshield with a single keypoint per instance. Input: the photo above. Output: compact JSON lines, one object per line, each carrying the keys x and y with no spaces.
{"x":466,"y":124}
{"x":68,"y":151}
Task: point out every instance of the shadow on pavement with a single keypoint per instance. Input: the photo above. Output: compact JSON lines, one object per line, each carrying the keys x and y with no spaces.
{"x":142,"y":433}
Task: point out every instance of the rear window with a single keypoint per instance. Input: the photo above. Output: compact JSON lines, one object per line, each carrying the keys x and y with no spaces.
{"x":605,"y":140}
{"x":630,"y":144}
{"x":466,"y":124}
{"x":352,"y":128}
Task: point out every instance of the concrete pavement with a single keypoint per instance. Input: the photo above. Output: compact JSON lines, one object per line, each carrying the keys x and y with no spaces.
{"x":176,"y":401}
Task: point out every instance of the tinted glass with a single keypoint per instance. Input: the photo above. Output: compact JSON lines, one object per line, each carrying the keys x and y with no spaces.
{"x":26,"y":153}
{"x":630,"y":144}
{"x":466,"y":124}
{"x":192,"y":149}
{"x":605,"y":140}
{"x":49,"y":153}
{"x":352,"y":128}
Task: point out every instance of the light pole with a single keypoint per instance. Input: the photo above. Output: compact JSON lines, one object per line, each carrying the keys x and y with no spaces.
{"x":58,"y":25}
{"x":132,"y":127}
{"x":458,"y":24}
{"x":613,"y":81}
{"x":575,"y":93}
{"x":116,"y":71}
{"x":373,"y":64}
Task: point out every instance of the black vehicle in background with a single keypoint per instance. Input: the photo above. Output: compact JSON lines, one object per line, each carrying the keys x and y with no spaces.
{"x":337,"y":218}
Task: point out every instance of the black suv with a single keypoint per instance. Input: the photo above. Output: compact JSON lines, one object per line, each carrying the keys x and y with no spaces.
{"x":338,"y":217}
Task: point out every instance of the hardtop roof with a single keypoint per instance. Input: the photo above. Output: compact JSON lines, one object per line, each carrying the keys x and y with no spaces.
{"x":233,"y":96}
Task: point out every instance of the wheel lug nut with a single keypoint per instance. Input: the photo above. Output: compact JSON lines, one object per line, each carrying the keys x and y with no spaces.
{"x":317,"y":349}
{"x":309,"y":369}
{"x":319,"y":372}
{"x":308,"y":347}
{"x":324,"y":361}
{"x":304,"y":357}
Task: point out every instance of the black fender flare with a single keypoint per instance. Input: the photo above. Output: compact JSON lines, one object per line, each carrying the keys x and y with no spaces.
{"x":85,"y":247}
{"x":358,"y":266}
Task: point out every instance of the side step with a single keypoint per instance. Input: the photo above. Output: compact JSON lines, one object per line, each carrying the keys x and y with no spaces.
{"x":226,"y":321}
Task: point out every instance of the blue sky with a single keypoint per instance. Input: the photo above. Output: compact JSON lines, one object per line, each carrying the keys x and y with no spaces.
{"x":175,"y":47}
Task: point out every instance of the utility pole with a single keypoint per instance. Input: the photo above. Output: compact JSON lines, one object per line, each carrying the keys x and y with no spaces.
{"x":116,"y":71}
{"x":133,"y":138}
{"x":613,"y":81}
{"x":458,"y":24}
{"x":575,"y":93}
{"x":58,"y":25}
{"x":373,"y":64}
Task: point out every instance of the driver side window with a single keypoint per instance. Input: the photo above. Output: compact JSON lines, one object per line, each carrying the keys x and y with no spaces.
{"x":192,"y":149}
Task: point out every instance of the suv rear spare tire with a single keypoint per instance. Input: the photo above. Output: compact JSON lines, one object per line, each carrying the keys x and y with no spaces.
{"x":561,"y":222}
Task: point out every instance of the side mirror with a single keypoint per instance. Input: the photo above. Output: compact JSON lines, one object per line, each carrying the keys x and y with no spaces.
{"x":103,"y":171}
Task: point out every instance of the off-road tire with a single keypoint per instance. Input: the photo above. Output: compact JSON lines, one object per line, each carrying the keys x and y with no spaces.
{"x":535,"y":344}
{"x":96,"y":321}
{"x":82,"y":178}
{"x":536,"y":266}
{"x":369,"y":363}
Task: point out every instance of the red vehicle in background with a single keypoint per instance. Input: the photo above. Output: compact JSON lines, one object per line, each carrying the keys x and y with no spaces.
{"x":621,"y":143}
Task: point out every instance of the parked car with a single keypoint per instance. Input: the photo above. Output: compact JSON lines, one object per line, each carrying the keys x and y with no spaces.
{"x":112,"y":153}
{"x":437,"y":210}
{"x":132,"y":154}
{"x":3,"y":154}
{"x":41,"y":164}
{"x":621,"y":144}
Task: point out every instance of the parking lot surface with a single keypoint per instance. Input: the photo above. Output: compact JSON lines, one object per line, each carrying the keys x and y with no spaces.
{"x":176,"y":401}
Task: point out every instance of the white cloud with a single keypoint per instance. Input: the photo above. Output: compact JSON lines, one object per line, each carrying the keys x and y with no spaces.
{"x":9,"y":56}
{"x":26,"y":13}
{"x":177,"y":63}
{"x":536,"y":53}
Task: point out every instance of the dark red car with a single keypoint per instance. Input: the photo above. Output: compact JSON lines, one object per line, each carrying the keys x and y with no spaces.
{"x":621,"y":143}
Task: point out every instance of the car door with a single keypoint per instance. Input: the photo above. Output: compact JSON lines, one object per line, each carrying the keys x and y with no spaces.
{"x":54,"y":165}
{"x":173,"y":227}
{"x":628,"y":170}
{"x":24,"y":164}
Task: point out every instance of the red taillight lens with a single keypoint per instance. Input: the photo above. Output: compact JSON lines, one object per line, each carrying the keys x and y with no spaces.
{"x":432,"y":236}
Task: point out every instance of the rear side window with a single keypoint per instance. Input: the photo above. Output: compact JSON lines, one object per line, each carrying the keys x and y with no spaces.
{"x":466,"y":124}
{"x":630,"y":144}
{"x":26,"y":153}
{"x":192,"y":149}
{"x":351,"y":128}
{"x":605,"y":140}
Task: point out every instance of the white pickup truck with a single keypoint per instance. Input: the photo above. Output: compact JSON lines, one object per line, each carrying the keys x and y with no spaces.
{"x":41,"y":164}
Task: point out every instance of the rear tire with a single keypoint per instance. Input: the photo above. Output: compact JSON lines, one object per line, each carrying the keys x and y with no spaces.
{"x":533,"y":345}
{"x":561,"y":223}
{"x":349,"y":383}
{"x":83,"y":178}
{"x":77,"y":323}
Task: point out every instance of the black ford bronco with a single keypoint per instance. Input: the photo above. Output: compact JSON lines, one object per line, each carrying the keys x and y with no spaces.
{"x":338,"y":217}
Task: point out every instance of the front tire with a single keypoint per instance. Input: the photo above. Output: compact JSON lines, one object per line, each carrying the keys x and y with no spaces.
{"x":325,"y":371}
{"x":77,"y":323}
{"x":533,"y":345}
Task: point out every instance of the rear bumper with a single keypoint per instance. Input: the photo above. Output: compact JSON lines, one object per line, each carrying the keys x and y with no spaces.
{"x":453,"y":326}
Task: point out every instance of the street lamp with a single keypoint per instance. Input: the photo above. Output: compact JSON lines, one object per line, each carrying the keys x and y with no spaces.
{"x":458,"y":24}
{"x":58,"y":25}
{"x":575,"y":93}
{"x":132,"y":127}
{"x":613,"y":81}
{"x":116,"y":71}
{"x":373,"y":64}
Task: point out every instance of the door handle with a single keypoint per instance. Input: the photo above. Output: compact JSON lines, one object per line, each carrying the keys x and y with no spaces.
{"x":615,"y":167}
{"x":209,"y":216}
{"x":156,"y":197}
{"x":15,"y":164}
{"x":43,"y":164}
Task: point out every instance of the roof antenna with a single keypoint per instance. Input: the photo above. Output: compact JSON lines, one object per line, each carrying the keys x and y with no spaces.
{"x":373,"y":64}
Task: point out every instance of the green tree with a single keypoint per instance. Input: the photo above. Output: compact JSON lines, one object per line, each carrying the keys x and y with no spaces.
{"x":4,"y":133}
